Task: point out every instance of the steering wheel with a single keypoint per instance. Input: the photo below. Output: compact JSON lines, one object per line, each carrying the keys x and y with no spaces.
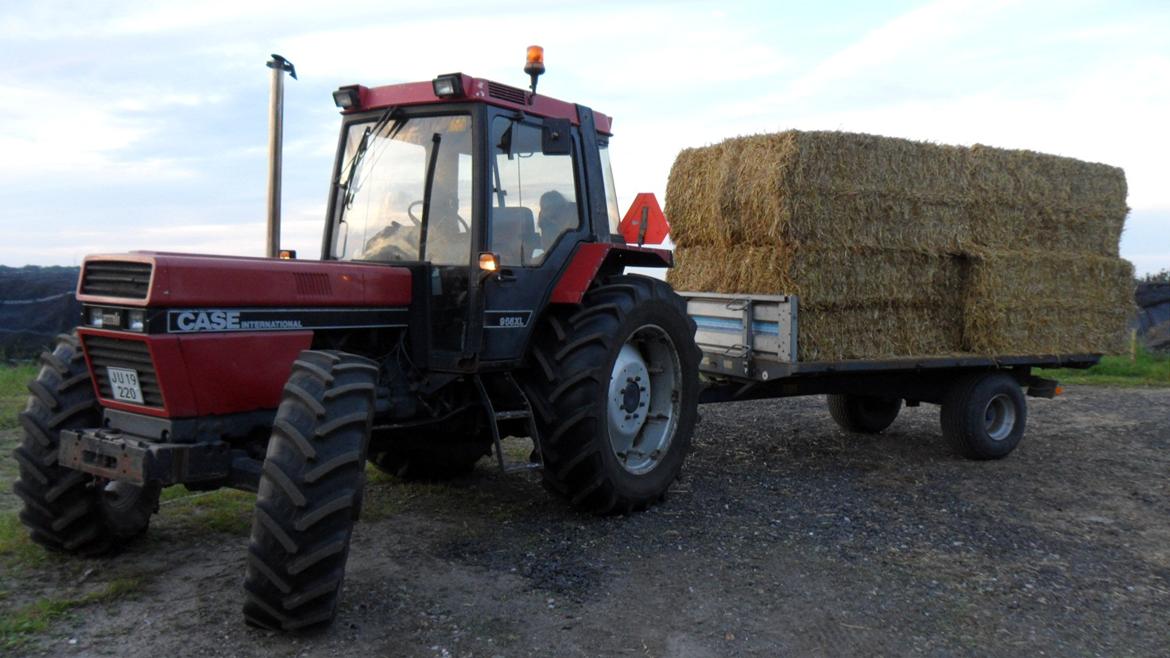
{"x":410,"y":213}
{"x":418,"y":222}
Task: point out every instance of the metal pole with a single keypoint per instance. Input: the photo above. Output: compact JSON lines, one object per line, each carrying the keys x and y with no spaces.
{"x":279,"y":66}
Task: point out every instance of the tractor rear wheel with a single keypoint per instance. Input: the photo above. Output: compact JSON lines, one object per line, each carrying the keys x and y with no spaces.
{"x":614,"y":385}
{"x":67,"y":510}
{"x":310,"y":491}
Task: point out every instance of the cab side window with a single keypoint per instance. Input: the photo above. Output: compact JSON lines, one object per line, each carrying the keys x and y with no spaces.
{"x":534,"y":196}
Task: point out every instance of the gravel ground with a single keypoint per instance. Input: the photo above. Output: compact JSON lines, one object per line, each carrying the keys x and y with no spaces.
{"x":786,"y":536}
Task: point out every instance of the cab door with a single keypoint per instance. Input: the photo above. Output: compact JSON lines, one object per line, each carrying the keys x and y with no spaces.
{"x":534,"y":219}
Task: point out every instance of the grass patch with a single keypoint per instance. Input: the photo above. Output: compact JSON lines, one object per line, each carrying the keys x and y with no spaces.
{"x":225,"y":510}
{"x":1145,"y":369}
{"x":18,"y":626}
{"x":13,"y":393}
{"x":16,"y":549}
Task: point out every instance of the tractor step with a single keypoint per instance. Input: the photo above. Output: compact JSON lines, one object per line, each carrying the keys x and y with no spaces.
{"x":505,"y":386}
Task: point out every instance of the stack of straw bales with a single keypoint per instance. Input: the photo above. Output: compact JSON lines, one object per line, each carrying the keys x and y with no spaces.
{"x":900,"y":248}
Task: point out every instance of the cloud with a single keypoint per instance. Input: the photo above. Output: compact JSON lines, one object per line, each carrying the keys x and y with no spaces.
{"x":147,"y":119}
{"x":933,"y":26}
{"x":92,"y":135}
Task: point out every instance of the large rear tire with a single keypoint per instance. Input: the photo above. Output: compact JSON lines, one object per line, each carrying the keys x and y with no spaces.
{"x":984,"y":415}
{"x":614,"y":385}
{"x":864,"y":414}
{"x":310,"y":491}
{"x":67,"y":510}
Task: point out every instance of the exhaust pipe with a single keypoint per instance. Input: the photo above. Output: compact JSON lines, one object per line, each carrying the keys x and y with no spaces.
{"x":279,"y":66}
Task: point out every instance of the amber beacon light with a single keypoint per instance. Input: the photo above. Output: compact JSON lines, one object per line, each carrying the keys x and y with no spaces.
{"x":534,"y":64}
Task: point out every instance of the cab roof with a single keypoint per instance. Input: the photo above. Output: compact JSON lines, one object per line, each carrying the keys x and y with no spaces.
{"x":477,"y":90}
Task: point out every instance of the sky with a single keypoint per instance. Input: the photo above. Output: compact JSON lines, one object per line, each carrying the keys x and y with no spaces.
{"x":143,"y":124}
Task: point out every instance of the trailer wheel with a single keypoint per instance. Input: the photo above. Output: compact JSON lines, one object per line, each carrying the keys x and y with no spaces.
{"x":614,"y":386}
{"x":865,"y":414}
{"x":67,"y":510}
{"x":310,"y":491}
{"x":984,"y":414}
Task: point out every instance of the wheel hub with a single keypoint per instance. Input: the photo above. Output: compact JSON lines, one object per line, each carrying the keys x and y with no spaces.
{"x":631,"y":396}
{"x":628,"y":387}
{"x":999,"y":418}
{"x":643,"y":399}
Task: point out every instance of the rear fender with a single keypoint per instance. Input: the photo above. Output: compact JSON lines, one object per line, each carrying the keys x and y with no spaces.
{"x":597,"y":259}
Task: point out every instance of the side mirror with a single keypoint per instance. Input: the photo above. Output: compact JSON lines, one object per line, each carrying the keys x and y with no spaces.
{"x":556,"y":137}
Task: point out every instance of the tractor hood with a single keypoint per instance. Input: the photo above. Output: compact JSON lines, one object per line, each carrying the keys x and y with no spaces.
{"x":157,"y":279}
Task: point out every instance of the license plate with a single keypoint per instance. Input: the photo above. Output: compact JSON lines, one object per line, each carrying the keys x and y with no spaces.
{"x":124,"y":385}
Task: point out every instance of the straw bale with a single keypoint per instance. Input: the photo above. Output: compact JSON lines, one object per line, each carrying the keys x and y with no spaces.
{"x":836,"y":188}
{"x":1042,"y":302}
{"x":872,"y":332}
{"x":901,"y":248}
{"x":824,"y":278}
{"x":1007,"y":227}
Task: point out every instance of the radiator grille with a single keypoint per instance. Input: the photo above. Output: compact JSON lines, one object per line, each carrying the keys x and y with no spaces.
{"x":116,"y":279}
{"x":506,"y":93}
{"x":133,"y":354}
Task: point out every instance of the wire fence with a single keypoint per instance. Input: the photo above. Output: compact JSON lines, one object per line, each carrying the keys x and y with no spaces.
{"x":36,"y":304}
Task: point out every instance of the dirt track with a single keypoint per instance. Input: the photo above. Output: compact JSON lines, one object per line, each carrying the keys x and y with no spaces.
{"x":787,"y":536}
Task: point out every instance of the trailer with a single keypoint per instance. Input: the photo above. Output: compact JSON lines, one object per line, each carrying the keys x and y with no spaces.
{"x":750,"y":345}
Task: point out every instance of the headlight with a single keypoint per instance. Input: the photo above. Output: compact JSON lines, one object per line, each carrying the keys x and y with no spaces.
{"x":95,"y":317}
{"x":136,"y":320}
{"x":347,"y":98}
{"x":448,"y":86}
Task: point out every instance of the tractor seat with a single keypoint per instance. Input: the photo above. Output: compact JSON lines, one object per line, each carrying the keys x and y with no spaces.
{"x":514,"y":235}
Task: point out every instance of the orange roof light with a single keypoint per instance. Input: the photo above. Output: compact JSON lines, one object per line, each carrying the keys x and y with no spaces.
{"x":535,"y":58}
{"x":534,"y":65}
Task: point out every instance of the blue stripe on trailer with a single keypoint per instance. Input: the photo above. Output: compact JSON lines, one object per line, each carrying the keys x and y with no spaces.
{"x":735,"y":326}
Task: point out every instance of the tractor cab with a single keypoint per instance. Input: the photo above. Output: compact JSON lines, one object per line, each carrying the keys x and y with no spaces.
{"x":485,"y":191}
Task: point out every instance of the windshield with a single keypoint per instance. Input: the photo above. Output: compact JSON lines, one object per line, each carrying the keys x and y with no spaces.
{"x":406,"y":186}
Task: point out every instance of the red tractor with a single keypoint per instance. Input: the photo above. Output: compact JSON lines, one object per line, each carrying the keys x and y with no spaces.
{"x":470,"y":287}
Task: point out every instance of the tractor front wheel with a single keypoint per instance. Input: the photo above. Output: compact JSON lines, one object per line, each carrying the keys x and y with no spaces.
{"x":67,"y":510}
{"x":615,"y":385}
{"x":310,"y":491}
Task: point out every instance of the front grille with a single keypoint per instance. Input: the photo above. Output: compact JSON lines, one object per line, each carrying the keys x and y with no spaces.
{"x":133,"y":354}
{"x":506,"y":93}
{"x":116,"y":279}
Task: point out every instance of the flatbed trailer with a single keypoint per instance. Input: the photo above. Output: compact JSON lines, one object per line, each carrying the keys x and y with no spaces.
{"x":750,"y":348}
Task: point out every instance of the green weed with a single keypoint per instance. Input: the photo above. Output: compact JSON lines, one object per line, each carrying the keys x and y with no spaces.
{"x":13,"y":393}
{"x":1144,"y":369}
{"x":225,"y":510}
{"x":19,"y":625}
